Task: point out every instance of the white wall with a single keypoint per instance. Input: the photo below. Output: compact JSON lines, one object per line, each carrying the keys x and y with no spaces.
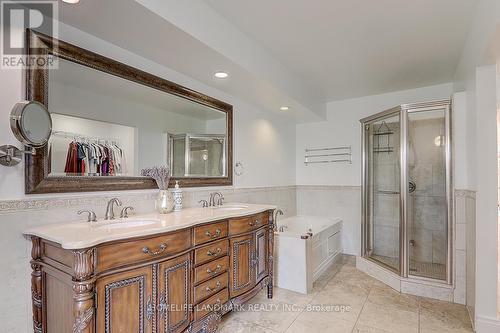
{"x":487,"y":191}
{"x":343,"y":128}
{"x":338,"y":193}
{"x":262,"y":141}
{"x":476,"y":73}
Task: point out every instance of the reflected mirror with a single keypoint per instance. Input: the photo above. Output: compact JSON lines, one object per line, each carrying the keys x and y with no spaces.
{"x":104,"y":125}
{"x":111,"y":120}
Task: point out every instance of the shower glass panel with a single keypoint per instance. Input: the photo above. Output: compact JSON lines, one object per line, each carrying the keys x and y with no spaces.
{"x":426,"y":196}
{"x":407,"y":196}
{"x":383,"y":201}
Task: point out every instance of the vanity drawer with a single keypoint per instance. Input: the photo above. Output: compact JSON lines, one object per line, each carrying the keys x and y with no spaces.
{"x":211,"y":269}
{"x":210,"y":287}
{"x":211,"y":252}
{"x":131,"y":251}
{"x":249,"y":223}
{"x":209,"y":232}
{"x":212,"y":304}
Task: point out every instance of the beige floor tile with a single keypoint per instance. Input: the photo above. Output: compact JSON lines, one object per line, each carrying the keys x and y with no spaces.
{"x":439,"y":316}
{"x":288,"y":296}
{"x":231,"y":324}
{"x":367,"y":329}
{"x":346,"y":297}
{"x":388,"y":318}
{"x":319,"y":322}
{"x":277,"y":316}
{"x":352,"y":284}
{"x":388,"y":297}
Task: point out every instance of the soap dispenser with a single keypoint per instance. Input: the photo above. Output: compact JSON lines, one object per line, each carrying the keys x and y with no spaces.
{"x":177,"y":194}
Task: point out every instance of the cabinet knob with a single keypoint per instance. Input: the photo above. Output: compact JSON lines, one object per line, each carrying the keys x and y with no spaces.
{"x":255,"y":222}
{"x":160,"y":250}
{"x":217,"y":287}
{"x":215,"y":235}
{"x":213,"y":272}
{"x":150,"y":308}
{"x":214,"y":253}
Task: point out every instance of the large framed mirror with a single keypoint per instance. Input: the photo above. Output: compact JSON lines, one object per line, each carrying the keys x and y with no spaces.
{"x":110,"y":120}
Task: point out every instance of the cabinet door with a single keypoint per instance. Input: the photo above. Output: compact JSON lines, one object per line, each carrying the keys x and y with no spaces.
{"x":174,"y":280}
{"x":242,"y":276}
{"x":124,"y":302}
{"x":261,"y":244}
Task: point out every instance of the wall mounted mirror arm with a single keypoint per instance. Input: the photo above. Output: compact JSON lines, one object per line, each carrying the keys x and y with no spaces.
{"x":31,"y":123}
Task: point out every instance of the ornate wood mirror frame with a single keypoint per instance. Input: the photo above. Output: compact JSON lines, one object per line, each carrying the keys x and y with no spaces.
{"x":37,"y":179}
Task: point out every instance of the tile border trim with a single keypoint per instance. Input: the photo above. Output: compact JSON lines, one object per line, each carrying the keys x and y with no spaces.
{"x":98,"y":200}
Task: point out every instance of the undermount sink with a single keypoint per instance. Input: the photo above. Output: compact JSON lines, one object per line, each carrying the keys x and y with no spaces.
{"x":231,"y":207}
{"x":126,"y":224}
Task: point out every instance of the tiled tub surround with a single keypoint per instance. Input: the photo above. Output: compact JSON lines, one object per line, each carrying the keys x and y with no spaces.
{"x":343,"y":202}
{"x":17,"y":216}
{"x":465,"y":248}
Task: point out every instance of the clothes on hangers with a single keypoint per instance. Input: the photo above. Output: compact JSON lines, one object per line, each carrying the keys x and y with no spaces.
{"x":94,"y":159}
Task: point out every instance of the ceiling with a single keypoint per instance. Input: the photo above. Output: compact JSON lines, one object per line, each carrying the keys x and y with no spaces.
{"x":114,"y":87}
{"x":358,"y":47}
{"x":299,"y":53}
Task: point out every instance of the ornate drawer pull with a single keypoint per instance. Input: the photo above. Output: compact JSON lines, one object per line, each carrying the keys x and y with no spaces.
{"x":256,"y":222}
{"x":218,"y":268}
{"x":217,"y":286}
{"x":217,"y":233}
{"x":162,"y":305}
{"x":160,"y":250}
{"x":150,"y":308}
{"x":211,"y":253}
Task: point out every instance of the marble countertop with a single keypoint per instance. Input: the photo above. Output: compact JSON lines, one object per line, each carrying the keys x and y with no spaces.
{"x":79,"y":235}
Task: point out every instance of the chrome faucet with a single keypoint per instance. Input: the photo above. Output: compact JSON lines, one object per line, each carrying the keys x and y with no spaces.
{"x":124,"y":212}
{"x":91,"y":217}
{"x":276,"y":213}
{"x":110,"y":214}
{"x":213,"y":202}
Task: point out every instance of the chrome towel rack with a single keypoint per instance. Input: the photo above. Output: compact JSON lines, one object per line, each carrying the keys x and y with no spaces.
{"x":341,"y":154}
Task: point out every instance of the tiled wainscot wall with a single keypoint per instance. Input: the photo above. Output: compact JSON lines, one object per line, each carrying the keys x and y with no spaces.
{"x":18,"y":215}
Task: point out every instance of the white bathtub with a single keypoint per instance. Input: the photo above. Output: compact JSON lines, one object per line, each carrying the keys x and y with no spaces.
{"x":305,"y":248}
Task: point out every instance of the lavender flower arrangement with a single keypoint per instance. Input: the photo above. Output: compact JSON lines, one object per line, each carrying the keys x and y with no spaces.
{"x":161,"y":174}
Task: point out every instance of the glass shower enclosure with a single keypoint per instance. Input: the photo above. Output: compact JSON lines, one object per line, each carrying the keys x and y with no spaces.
{"x":197,"y":155}
{"x":407,"y":197}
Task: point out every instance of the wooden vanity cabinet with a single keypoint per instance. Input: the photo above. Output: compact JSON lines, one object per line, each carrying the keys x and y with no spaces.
{"x":180,"y":281}
{"x":124,"y":301}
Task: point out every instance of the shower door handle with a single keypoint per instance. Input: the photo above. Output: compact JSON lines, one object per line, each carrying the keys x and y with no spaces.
{"x":412,"y":186}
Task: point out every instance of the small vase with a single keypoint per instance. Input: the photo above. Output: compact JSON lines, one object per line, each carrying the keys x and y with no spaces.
{"x":165,"y":202}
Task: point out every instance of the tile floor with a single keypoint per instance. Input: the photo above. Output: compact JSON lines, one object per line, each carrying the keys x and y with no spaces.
{"x":358,"y":304}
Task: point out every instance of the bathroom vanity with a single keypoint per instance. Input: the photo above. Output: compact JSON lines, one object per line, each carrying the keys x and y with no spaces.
{"x":153,"y":273}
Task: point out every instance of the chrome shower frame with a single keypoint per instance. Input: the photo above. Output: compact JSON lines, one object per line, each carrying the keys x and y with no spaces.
{"x":404,"y":256}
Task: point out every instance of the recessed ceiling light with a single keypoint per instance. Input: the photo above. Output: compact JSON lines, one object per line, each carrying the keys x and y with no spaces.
{"x":221,"y":75}
{"x":284,"y":108}
{"x":71,"y":1}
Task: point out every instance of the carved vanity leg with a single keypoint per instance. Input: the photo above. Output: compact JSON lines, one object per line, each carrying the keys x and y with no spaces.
{"x":270,"y":280}
{"x":36,"y":285}
{"x":83,"y":291}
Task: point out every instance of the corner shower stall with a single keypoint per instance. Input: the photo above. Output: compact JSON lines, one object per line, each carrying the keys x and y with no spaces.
{"x":407,"y":197}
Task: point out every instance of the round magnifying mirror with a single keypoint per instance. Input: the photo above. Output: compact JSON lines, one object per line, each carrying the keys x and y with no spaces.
{"x":31,"y":123}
